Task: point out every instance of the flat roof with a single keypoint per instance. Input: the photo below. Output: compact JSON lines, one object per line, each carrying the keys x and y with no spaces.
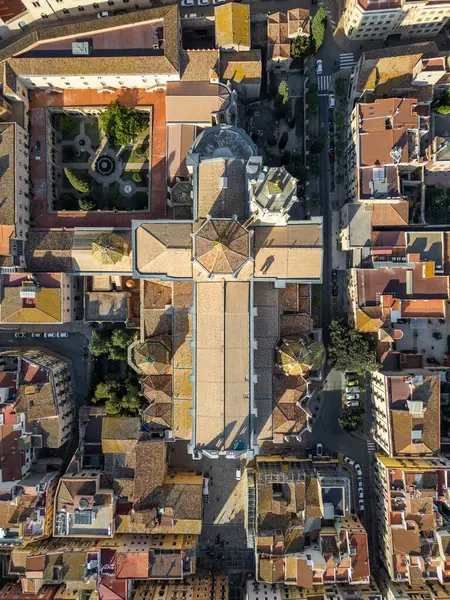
{"x":291,"y":252}
{"x":223,"y":363}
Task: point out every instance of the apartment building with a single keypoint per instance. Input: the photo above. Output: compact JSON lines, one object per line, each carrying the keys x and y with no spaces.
{"x":197,"y":587}
{"x":256,"y":590}
{"x":14,"y":188}
{"x":27,"y":15}
{"x":407,"y":412}
{"x":38,"y":298}
{"x":386,"y":149}
{"x":284,"y":494}
{"x":41,"y":393}
{"x":412,"y":518}
{"x":378,"y":19}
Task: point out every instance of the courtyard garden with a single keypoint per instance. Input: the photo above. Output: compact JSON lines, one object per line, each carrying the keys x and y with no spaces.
{"x":104,"y":160}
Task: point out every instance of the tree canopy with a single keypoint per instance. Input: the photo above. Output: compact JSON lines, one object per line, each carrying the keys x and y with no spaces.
{"x":119,"y":398}
{"x":318,"y":27}
{"x":350,"y":350}
{"x":300,"y":46}
{"x":87,"y":204}
{"x":99,"y":344}
{"x":122,"y":124}
{"x":114,"y":344}
{"x":79,"y":181}
{"x":283,"y":91}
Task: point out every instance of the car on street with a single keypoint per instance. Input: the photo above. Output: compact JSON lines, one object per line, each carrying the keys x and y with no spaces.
{"x":352,"y":382}
{"x":352,"y":389}
{"x":20,"y":335}
{"x":361,"y":505}
{"x":205,"y":486}
{"x":238,"y":474}
{"x":352,"y":404}
{"x":352,"y":397}
{"x":334,"y":276}
{"x":334,"y":290}
{"x":319,"y":66}
{"x":361,"y":494}
{"x":203,"y":2}
{"x":332,"y":157}
{"x":319,"y":449}
{"x":186,"y":3}
{"x":62,"y":334}
{"x":103,"y":14}
{"x":331,"y":101}
{"x":331,"y":145}
{"x":349,"y":461}
{"x":52,"y":334}
{"x":36,"y":335}
{"x":358,"y":469}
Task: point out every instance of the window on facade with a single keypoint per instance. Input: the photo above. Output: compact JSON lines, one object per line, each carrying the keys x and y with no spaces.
{"x":44,"y":16}
{"x":66,"y":11}
{"x":81,"y":8}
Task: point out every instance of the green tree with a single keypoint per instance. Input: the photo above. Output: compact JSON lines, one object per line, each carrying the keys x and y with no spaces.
{"x":439,"y":208}
{"x":120,"y":338}
{"x":87,"y":204}
{"x":137,"y":177}
{"x":314,"y":166}
{"x":105,"y":390}
{"x":350,"y":350}
{"x":79,"y":181}
{"x":301,"y":46}
{"x":128,"y":404}
{"x":99,"y":344}
{"x":68,"y":202}
{"x":318,"y":26}
{"x":351,"y":420}
{"x":317,"y":145}
{"x":116,"y":353}
{"x":283,"y":91}
{"x":122,"y":124}
{"x":339,"y":120}
{"x":65,"y":123}
{"x":312,"y":99}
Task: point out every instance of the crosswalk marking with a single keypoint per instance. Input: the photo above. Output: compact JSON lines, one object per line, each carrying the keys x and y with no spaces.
{"x":347,"y":60}
{"x":323,"y":82}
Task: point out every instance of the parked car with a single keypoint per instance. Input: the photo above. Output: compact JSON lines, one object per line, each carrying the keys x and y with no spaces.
{"x":203,"y":2}
{"x":334,"y":290}
{"x":358,"y":469}
{"x":319,"y":449}
{"x":186,"y":3}
{"x":36,"y":335}
{"x":319,"y":66}
{"x":331,"y":101}
{"x":52,"y":334}
{"x":352,"y":382}
{"x":361,"y":494}
{"x":20,"y":335}
{"x":334,"y":276}
{"x":352,"y":404}
{"x":332,"y":157}
{"x":349,"y":461}
{"x":331,"y":145}
{"x":62,"y":334}
{"x":352,"y":396}
{"x":205,"y":486}
{"x":352,"y":389}
{"x":350,"y":376}
{"x":361,"y":505}
{"x":219,"y":1}
{"x":238,"y":474}
{"x":103,"y":14}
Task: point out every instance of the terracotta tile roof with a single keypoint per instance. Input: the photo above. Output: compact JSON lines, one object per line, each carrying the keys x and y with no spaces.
{"x":360,"y":559}
{"x":388,"y":69}
{"x":198,"y":65}
{"x":195,"y":101}
{"x":7,"y":180}
{"x":241,"y":67}
{"x":213,"y":198}
{"x":233,"y":26}
{"x":405,"y":541}
{"x":279,"y":44}
{"x":375,"y":140}
{"x":299,"y":22}
{"x":164,"y":248}
{"x":304,"y":574}
{"x":131,"y":565}
{"x":288,"y":416}
{"x":314,"y":506}
{"x":271,"y":570}
{"x":150,"y":469}
{"x":221,"y":246}
{"x":167,"y":63}
{"x":44,"y":307}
